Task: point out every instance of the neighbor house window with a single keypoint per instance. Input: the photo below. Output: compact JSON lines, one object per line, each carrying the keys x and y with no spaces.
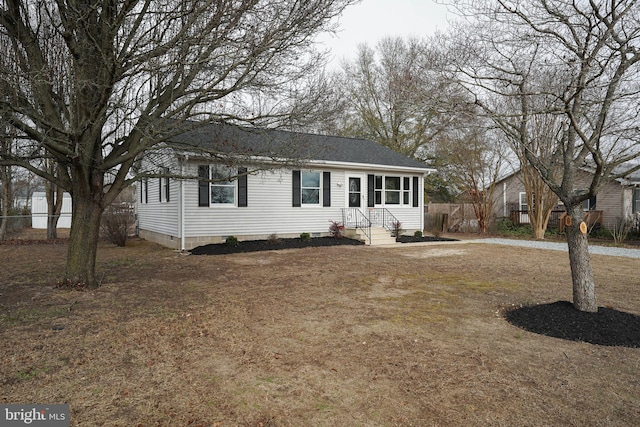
{"x":636,"y":200}
{"x":589,"y":205}
{"x":310,"y":187}
{"x":524,"y":207}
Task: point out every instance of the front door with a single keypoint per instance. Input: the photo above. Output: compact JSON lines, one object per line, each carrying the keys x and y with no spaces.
{"x":354,"y":191}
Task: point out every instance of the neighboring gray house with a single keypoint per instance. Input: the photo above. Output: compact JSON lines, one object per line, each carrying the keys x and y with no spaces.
{"x":617,"y":199}
{"x":305,"y":182}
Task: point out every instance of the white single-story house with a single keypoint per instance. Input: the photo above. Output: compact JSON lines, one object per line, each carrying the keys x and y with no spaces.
{"x":291,"y":183}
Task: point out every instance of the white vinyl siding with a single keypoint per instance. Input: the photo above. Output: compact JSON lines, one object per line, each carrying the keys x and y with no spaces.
{"x":269,"y":209}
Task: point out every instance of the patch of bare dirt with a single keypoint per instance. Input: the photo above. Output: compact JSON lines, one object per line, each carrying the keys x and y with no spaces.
{"x":339,"y":335}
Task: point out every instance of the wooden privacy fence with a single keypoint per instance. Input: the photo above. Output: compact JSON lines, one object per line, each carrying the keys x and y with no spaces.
{"x":453,"y":217}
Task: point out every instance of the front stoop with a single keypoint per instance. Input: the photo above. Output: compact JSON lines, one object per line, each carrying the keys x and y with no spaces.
{"x":379,"y":236}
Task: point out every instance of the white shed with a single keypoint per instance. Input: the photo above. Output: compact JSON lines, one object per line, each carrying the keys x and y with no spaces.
{"x":39,"y":211}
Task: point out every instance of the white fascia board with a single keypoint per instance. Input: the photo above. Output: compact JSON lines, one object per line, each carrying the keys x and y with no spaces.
{"x":341,"y":165}
{"x":373,"y":167}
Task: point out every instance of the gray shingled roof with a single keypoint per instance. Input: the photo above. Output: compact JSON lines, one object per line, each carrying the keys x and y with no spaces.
{"x":272,"y":143}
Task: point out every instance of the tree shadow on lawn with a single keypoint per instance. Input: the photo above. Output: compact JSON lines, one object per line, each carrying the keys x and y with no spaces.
{"x":560,"y":319}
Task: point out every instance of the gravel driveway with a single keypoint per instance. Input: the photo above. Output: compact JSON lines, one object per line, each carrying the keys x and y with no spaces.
{"x":557,"y":246}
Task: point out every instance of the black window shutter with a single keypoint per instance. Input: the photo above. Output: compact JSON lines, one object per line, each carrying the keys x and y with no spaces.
{"x":592,"y":203}
{"x":326,"y":189}
{"x":167,"y":187}
{"x":416,"y":195}
{"x":203,"y":185}
{"x":146,"y":190}
{"x":159,"y":189}
{"x":371,"y":191}
{"x":297,"y":196}
{"x":242,"y":187}
{"x":142,"y":191}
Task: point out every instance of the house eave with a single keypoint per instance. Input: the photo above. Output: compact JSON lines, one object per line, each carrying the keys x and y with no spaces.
{"x":329,"y":163}
{"x":373,"y":167}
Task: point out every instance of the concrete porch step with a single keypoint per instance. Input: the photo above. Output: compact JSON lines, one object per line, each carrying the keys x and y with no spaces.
{"x":379,"y":236}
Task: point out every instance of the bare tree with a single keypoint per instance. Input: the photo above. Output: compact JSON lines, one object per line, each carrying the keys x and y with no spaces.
{"x":54,"y":195}
{"x":590,"y":52}
{"x":473,"y":159}
{"x":6,"y":181}
{"x":396,"y":95}
{"x":137,"y":72}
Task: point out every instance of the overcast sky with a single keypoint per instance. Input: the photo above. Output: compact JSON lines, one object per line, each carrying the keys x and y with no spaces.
{"x":371,"y":20}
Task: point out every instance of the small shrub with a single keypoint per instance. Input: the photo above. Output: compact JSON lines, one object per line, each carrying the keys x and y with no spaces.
{"x":417,"y":233}
{"x":116,"y":222}
{"x":336,"y":229}
{"x":396,"y":228}
{"x":620,"y":229}
{"x":305,"y":237}
{"x":232,"y":241}
{"x":273,"y":238}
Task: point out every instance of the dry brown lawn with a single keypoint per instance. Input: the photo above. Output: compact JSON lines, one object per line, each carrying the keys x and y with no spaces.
{"x":336,"y":336}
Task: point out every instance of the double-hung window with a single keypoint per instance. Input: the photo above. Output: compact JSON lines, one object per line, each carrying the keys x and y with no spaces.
{"x":221,"y":185}
{"x":144,"y":190}
{"x":310,"y":187}
{"x":223,"y":189}
{"x":164,"y":187}
{"x":392,"y":190}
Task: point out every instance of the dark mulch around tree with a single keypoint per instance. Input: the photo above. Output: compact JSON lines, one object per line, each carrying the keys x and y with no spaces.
{"x":560,"y":319}
{"x":271,"y":245}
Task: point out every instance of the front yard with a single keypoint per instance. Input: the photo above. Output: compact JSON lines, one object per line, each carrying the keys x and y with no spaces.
{"x":335,"y":336}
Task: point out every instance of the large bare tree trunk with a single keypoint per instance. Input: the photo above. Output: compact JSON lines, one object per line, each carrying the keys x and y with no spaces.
{"x":83,"y":243}
{"x":584,"y":294}
{"x":5,"y":199}
{"x":86,"y":212}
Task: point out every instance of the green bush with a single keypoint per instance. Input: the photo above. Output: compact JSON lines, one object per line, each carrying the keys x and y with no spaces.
{"x":417,"y":233}
{"x":305,"y":237}
{"x":232,"y":241}
{"x":504,"y":227}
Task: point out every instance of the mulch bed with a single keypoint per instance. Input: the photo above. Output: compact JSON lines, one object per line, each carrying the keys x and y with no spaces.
{"x":413,"y":239}
{"x":560,"y":319}
{"x":296,"y":243}
{"x":271,"y":245}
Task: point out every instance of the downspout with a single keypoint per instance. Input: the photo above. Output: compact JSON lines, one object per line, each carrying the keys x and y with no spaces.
{"x":182,"y":203}
{"x":421,"y":204}
{"x":504,"y":199}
